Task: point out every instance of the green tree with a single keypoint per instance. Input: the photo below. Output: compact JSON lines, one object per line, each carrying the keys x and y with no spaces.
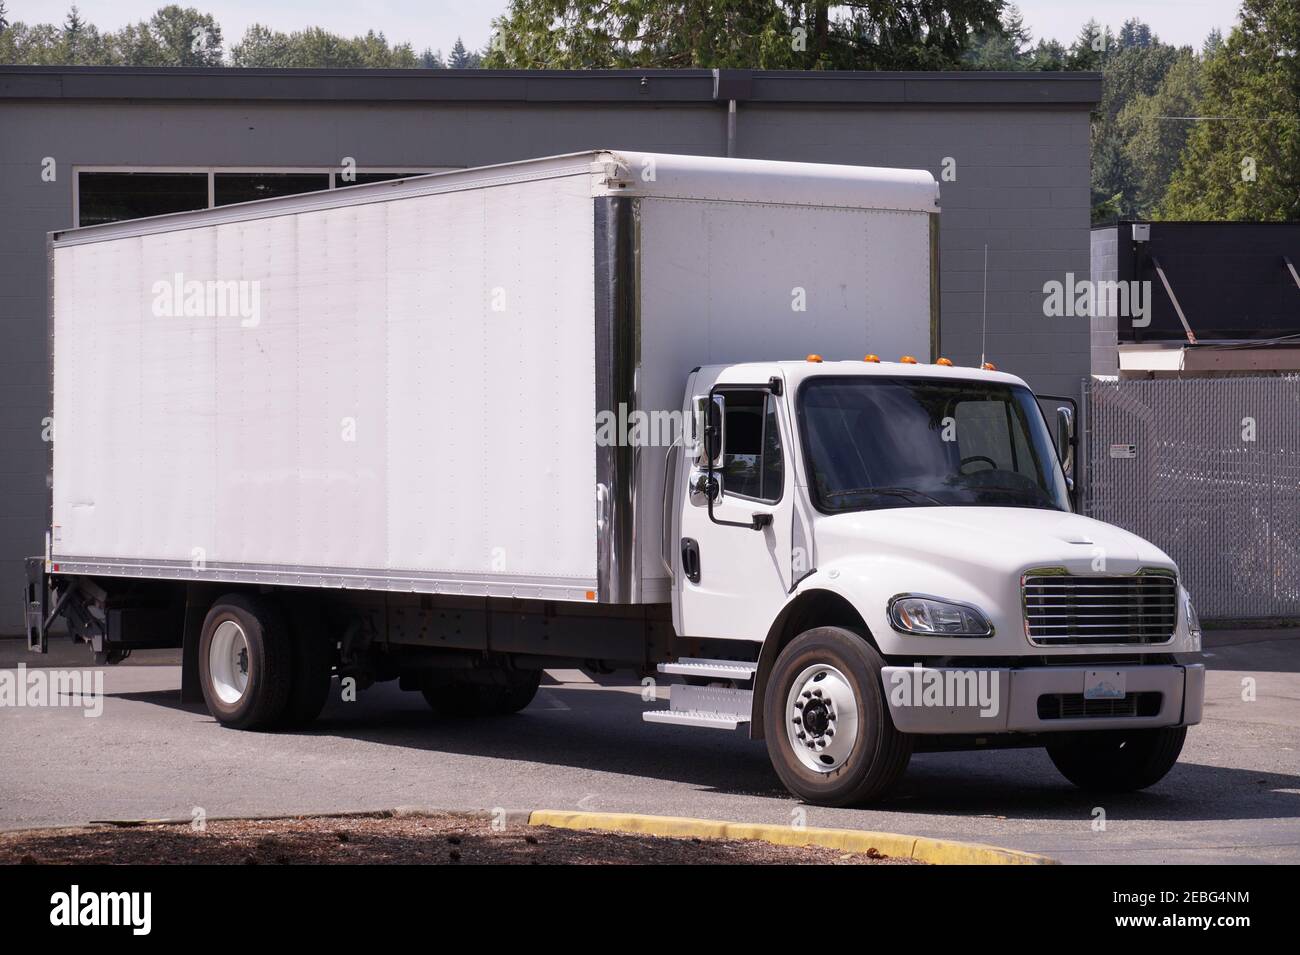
{"x":771,"y":34}
{"x":314,"y":47}
{"x":431,"y":60}
{"x":1048,"y":55}
{"x":1004,"y":47}
{"x":1128,"y":71}
{"x":174,"y":36}
{"x":73,"y":25}
{"x":462,"y":59}
{"x":1090,"y":47}
{"x":1242,"y":159}
{"x":1153,"y":128}
{"x":82,"y":44}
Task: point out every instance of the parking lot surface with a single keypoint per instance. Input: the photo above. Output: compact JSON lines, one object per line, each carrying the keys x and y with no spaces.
{"x":1234,"y":797}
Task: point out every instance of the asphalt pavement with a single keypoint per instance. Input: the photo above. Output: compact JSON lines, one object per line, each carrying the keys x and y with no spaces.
{"x":1234,"y":797}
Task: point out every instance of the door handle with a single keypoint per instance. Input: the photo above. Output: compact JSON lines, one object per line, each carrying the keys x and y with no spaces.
{"x":691,"y":559}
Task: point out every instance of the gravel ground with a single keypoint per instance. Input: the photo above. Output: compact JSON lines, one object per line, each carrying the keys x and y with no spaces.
{"x":446,"y":839}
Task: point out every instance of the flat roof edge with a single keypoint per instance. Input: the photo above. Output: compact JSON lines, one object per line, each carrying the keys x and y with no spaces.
{"x":849,"y":87}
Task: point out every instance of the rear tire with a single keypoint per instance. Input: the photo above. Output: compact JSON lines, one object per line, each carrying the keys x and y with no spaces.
{"x":826,"y":685}
{"x":484,"y":699}
{"x":245,"y":662}
{"x":313,"y":667}
{"x":1121,"y":761}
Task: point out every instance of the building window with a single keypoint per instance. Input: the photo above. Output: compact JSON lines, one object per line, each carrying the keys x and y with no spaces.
{"x":365,"y":177}
{"x":113,"y":196}
{"x":228,"y":187}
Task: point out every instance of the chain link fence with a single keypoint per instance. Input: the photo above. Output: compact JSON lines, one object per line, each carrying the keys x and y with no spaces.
{"x":1207,"y":469}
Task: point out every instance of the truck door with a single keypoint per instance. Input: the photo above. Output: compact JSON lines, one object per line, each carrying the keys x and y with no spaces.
{"x":734,"y":566}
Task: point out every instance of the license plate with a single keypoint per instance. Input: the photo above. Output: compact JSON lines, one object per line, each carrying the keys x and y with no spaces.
{"x":1103,"y":685}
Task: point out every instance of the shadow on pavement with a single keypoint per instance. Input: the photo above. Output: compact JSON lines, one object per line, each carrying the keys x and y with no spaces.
{"x":600,"y":729}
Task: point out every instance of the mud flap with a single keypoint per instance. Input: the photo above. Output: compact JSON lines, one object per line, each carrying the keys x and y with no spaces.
{"x":36,"y":601}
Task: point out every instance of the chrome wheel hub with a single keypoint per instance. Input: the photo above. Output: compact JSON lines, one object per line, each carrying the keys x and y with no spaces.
{"x":821,"y":718}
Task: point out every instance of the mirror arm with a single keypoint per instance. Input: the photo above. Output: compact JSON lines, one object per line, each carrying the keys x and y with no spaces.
{"x":757,"y":523}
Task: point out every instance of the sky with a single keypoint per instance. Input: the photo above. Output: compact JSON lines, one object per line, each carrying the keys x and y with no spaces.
{"x":437,"y":23}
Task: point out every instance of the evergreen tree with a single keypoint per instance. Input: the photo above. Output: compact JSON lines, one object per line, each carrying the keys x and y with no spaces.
{"x":459,"y":59}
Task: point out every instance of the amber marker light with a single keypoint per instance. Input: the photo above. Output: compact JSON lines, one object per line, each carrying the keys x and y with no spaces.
{"x":907,"y":360}
{"x":874,"y":359}
{"x":946,"y":362}
{"x":989,"y":366}
{"x":814,"y":358}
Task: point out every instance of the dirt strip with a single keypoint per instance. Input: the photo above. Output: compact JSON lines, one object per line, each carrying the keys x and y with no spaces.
{"x":441,"y":839}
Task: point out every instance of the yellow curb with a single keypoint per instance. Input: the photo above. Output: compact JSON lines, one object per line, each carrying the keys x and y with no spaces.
{"x":934,"y":851}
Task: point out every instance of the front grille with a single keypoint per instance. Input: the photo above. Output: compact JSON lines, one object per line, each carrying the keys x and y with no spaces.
{"x":1073,"y":706}
{"x":1065,"y":610}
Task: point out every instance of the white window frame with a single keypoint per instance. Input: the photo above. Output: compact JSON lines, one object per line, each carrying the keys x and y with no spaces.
{"x":211,"y":171}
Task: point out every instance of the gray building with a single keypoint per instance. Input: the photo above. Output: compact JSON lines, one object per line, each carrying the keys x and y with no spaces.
{"x":85,"y":145}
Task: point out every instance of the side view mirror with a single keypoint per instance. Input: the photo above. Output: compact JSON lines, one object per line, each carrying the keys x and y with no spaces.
{"x":1065,"y":438}
{"x":711,"y":411}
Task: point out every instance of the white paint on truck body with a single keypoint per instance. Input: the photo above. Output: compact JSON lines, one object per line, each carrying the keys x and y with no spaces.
{"x":414,"y":407}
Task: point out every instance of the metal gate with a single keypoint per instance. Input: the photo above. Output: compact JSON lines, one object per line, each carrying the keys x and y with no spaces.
{"x":1207,"y":469}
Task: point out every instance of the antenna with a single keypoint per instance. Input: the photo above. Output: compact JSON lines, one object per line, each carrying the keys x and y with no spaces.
{"x":984,"y":325}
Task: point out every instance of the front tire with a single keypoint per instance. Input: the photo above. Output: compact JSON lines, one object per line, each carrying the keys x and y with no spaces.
{"x":245,"y":662}
{"x":1121,"y":761}
{"x":829,"y":733}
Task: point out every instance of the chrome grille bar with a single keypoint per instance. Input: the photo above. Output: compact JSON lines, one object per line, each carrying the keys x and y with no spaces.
{"x":1067,"y":609}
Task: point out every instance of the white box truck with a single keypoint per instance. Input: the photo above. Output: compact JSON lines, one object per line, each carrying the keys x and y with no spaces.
{"x":455,"y":429}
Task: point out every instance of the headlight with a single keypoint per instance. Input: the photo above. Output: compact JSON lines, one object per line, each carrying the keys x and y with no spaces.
{"x":917,"y":613}
{"x":1193,"y":620}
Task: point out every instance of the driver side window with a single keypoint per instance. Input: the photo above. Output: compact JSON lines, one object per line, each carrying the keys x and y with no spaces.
{"x":753,"y":465}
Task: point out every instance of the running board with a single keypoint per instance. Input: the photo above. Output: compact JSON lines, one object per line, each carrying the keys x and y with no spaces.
{"x":715,"y":707}
{"x":711,"y":669}
{"x":717,"y":721}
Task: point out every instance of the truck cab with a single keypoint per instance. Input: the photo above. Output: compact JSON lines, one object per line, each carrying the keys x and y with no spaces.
{"x":897,"y":543}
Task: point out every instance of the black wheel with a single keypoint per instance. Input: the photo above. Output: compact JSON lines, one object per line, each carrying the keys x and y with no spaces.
{"x":829,"y":733}
{"x":313,"y":666}
{"x":245,"y":662}
{"x":1119,"y":762}
{"x":484,"y":699}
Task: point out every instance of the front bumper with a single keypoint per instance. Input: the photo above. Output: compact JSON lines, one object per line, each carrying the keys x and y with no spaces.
{"x":1007,"y":700}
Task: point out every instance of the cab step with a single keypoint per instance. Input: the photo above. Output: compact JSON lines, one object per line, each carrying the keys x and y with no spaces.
{"x":717,"y":721}
{"x":715,"y":707}
{"x":711,"y":669}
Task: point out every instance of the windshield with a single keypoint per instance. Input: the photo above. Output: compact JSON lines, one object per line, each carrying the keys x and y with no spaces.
{"x":874,"y":442}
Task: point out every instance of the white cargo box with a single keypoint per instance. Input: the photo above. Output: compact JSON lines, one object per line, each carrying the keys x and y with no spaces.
{"x":396,"y":386}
